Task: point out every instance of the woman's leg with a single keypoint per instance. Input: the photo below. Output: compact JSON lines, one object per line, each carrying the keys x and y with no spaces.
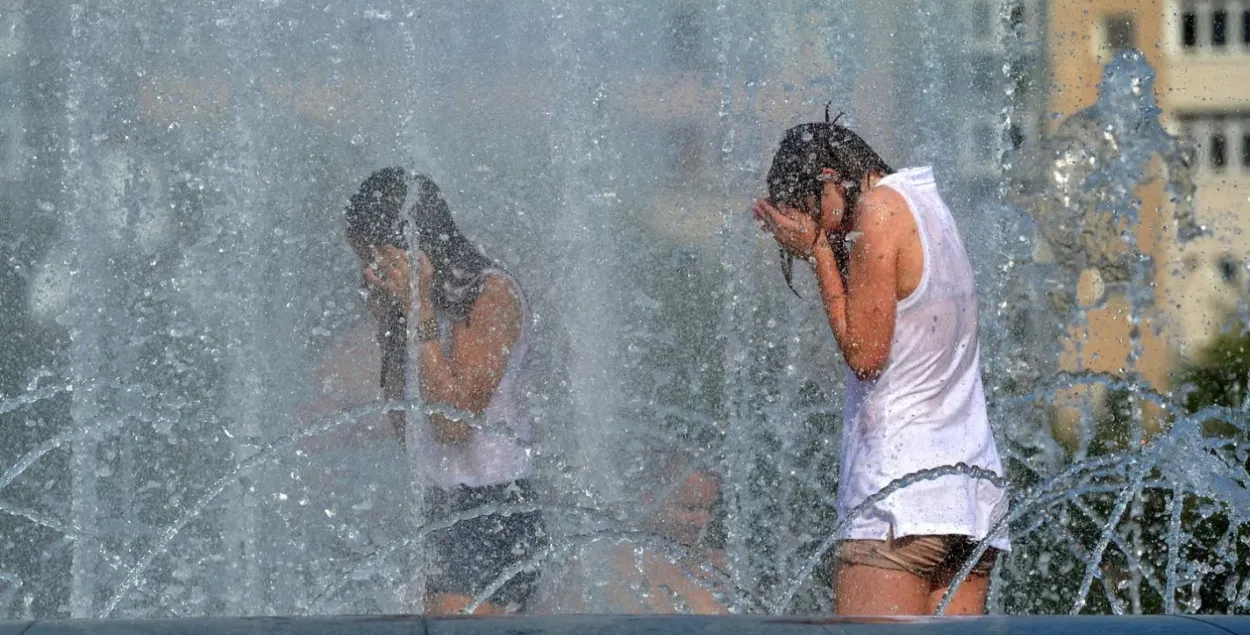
{"x":456,"y":603}
{"x":867,"y":590}
{"x":969,"y":597}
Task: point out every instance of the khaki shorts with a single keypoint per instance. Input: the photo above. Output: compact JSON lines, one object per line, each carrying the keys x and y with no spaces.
{"x":934,"y":558}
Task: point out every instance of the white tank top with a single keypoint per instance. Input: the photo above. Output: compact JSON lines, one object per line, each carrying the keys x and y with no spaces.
{"x":498,"y":449}
{"x":927,"y":407}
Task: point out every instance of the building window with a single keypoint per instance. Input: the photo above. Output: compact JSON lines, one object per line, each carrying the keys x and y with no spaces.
{"x":1121,"y":31}
{"x":1228,"y":269}
{"x":1214,"y":25}
{"x":1222,"y":140}
{"x":1189,"y":29}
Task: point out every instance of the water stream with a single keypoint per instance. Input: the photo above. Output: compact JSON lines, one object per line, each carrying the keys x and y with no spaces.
{"x":186,"y":405}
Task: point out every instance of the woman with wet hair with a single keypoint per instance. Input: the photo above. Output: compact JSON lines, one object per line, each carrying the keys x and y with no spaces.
{"x":897,"y":287}
{"x":468,"y":324}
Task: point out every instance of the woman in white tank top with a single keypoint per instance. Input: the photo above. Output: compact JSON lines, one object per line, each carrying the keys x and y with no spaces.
{"x":468,"y":335}
{"x":898,"y":289}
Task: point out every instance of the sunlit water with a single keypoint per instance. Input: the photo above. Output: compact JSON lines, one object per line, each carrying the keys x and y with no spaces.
{"x":171,"y":449}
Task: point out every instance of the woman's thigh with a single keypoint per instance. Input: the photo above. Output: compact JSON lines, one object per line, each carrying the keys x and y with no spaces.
{"x":969,"y":597}
{"x":867,"y":590}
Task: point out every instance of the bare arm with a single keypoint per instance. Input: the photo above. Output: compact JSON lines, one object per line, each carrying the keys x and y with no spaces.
{"x":862,"y":313}
{"x":468,"y":378}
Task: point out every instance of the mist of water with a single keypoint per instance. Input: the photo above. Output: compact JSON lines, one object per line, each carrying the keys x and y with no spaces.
{"x":174,"y":446}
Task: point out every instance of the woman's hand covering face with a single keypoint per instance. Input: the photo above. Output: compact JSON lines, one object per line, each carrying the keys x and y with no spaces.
{"x":794,"y":230}
{"x":389,"y":273}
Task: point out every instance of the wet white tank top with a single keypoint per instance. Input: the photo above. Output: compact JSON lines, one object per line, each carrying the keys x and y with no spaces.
{"x":927,"y":407}
{"x":498,"y":449}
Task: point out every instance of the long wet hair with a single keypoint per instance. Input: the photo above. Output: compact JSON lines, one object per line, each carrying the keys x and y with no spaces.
{"x":375,"y":217}
{"x":807,"y":149}
{"x":373,"y":214}
{"x":459,"y":266}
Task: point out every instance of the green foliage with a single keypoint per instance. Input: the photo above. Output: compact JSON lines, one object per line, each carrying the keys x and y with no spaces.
{"x":1199,"y":546}
{"x":1218,"y":375}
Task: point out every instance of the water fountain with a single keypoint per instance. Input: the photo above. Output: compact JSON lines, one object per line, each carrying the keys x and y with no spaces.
{"x":165,"y":459}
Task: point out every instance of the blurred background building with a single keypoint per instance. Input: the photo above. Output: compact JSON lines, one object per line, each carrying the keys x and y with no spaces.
{"x":1200,"y":50}
{"x":1205,"y":47}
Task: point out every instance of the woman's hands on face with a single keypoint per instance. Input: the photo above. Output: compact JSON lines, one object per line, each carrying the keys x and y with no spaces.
{"x":425,"y":269}
{"x":795,"y":231}
{"x":831,"y":221}
{"x":389,"y":273}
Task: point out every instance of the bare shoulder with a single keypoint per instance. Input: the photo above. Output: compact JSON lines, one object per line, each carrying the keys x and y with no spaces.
{"x":501,"y":299}
{"x":498,"y":283}
{"x":882,"y":212}
{"x":881,"y":206}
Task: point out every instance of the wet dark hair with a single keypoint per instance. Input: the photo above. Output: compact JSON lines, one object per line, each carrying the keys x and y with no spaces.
{"x":458,"y":263}
{"x":373,"y":214}
{"x":807,"y":149}
{"x":375,"y":217}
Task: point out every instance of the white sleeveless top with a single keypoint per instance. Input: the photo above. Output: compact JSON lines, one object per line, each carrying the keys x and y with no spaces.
{"x":498,"y":449}
{"x":927,"y":407}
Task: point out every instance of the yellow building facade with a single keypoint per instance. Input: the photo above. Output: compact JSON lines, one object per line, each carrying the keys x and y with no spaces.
{"x":1200,"y":50}
{"x":1206,"y":45}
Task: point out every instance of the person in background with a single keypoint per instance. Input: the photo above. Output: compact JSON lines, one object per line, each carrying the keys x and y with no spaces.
{"x":897,"y":287}
{"x":468,"y":326}
{"x":679,"y":570}
{"x":683,"y":509}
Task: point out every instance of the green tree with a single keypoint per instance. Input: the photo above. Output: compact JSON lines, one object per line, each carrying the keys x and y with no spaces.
{"x":1217,"y":375}
{"x":1219,"y":372}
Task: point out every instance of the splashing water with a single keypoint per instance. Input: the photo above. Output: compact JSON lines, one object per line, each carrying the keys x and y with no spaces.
{"x":200,"y":457}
